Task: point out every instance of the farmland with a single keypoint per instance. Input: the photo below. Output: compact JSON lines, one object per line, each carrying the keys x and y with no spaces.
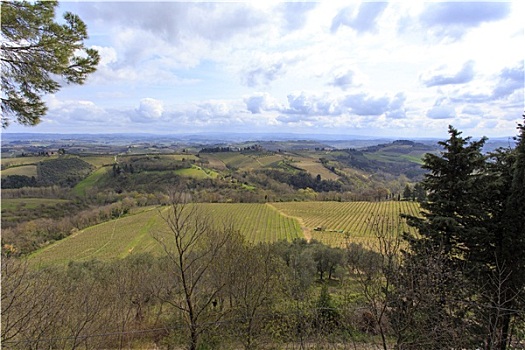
{"x":340,"y":222}
{"x":335,"y":223}
{"x":29,"y":203}
{"x":23,"y":170}
{"x":133,"y":234}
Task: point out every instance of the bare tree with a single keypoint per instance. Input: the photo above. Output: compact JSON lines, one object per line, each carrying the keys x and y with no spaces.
{"x":30,"y":305}
{"x":375,"y":269}
{"x":192,"y":245}
{"x":253,"y":288}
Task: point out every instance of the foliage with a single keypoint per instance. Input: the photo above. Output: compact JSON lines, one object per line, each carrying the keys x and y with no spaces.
{"x":35,"y":49}
{"x":18,"y":181}
{"x":108,"y":233}
{"x":64,"y":171}
{"x":303,"y":180}
{"x":464,"y":229}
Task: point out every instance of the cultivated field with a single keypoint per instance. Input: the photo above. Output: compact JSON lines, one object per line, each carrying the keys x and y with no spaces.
{"x":314,"y":167}
{"x":197,"y":173}
{"x":133,"y":234}
{"x":333,"y":223}
{"x":90,"y":181}
{"x":29,"y":203}
{"x":24,"y":170}
{"x":10,"y":162}
{"x":99,"y":161}
{"x":337,"y":223}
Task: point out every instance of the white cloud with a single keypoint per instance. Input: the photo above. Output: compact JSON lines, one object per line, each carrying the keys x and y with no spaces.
{"x":442,"y":109}
{"x":311,"y":66}
{"x":441,"y":76}
{"x":453,"y":19}
{"x":363,"y":19}
{"x":149,"y":110}
{"x":108,"y":55}
{"x":261,"y":102}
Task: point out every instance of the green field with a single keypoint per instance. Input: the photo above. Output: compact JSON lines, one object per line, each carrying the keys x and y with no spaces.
{"x":25,"y":170}
{"x":197,"y":172}
{"x":11,"y":162}
{"x":337,"y":223}
{"x":99,"y":161}
{"x":12,"y":204}
{"x":133,"y":234}
{"x":333,"y":223}
{"x":90,"y":181}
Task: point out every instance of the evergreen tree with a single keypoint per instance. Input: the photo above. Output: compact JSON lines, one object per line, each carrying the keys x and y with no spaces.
{"x":451,"y":216}
{"x":35,"y":49}
{"x":510,"y":247}
{"x":472,"y":223}
{"x":419,"y":193}
{"x":407,"y":193}
{"x":454,"y":182}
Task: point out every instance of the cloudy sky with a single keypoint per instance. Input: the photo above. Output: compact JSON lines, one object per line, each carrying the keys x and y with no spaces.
{"x":400,"y":69}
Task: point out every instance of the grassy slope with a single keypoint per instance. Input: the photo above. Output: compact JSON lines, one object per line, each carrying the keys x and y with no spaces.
{"x":29,"y":203}
{"x":133,"y":234}
{"x":10,"y":162}
{"x":340,"y":222}
{"x":25,"y":170}
{"x":81,"y":188}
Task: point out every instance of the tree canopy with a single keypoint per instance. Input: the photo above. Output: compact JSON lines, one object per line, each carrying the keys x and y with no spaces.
{"x":472,"y":224}
{"x":36,"y":52}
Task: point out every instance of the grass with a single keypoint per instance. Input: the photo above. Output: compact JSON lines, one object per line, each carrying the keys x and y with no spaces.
{"x":133,"y":234}
{"x":81,"y":188}
{"x":337,"y":223}
{"x":17,"y":161}
{"x":12,"y":204}
{"x":197,"y":172}
{"x":25,"y":170}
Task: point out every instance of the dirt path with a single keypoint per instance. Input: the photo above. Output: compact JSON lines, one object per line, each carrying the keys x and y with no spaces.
{"x":306,"y":231}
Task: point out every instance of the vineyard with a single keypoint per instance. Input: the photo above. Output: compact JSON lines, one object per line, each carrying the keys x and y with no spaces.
{"x":337,"y":223}
{"x":133,"y":234}
{"x":236,"y":160}
{"x":333,"y":223}
{"x":314,"y":168}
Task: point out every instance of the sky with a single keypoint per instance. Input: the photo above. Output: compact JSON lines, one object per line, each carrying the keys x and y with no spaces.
{"x":396,"y":69}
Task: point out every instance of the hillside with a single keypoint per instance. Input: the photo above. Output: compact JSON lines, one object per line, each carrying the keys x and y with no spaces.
{"x":332,"y":223}
{"x":76,"y":191}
